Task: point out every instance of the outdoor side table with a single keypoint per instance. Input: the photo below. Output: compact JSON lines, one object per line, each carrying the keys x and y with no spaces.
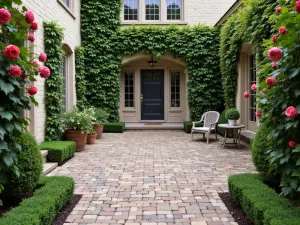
{"x":236,"y":132}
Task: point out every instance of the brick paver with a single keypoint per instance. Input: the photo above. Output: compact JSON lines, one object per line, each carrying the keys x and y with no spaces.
{"x":153,"y":178}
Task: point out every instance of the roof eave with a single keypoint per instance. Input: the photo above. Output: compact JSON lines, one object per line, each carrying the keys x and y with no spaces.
{"x":229,"y":12}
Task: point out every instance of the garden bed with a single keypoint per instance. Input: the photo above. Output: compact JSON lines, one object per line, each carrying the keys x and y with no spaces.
{"x":47,"y":201}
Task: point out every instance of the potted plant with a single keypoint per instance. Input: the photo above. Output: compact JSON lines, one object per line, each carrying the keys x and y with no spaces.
{"x":232,"y":115}
{"x":77,"y":123}
{"x":100,"y":119}
{"x":91,"y":137}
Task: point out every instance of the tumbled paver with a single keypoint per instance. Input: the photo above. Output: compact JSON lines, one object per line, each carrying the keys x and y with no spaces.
{"x":153,"y":178}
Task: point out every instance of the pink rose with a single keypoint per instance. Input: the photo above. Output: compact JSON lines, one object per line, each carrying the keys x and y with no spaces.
{"x":292,"y":144}
{"x":282,"y":30}
{"x":253,"y":87}
{"x":271,"y":81}
{"x":31,"y":37}
{"x":15,"y":71}
{"x":258,"y":114}
{"x":275,"y":54}
{"x":291,"y":112}
{"x":278,"y":9}
{"x":44,"y":72}
{"x":43,"y":57}
{"x":11,"y":52}
{"x":4,"y":16}
{"x":246,"y":94}
{"x":34,"y":26}
{"x":274,"y":65}
{"x":32,"y":90}
{"x":274,"y":38}
{"x":23,"y":76}
{"x":297,"y":6}
{"x":29,"y":16}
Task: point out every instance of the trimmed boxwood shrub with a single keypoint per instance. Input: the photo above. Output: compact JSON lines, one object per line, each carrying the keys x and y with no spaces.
{"x":261,"y":203}
{"x":117,"y":127}
{"x":47,"y":201}
{"x":59,"y":151}
{"x":30,"y":165}
{"x":188,"y":126}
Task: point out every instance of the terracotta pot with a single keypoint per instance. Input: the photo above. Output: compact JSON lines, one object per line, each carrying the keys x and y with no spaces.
{"x":78,"y":137}
{"x":91,"y":139}
{"x":99,"y":130}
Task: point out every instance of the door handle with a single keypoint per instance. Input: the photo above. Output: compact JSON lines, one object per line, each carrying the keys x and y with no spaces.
{"x":142,"y":100}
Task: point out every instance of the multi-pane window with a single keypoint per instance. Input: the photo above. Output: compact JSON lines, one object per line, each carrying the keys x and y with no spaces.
{"x":129,"y":89}
{"x":252,"y":80}
{"x":130,"y":9}
{"x":152,"y":9}
{"x":67,"y":2}
{"x":64,"y":71}
{"x":173,"y":9}
{"x":175,"y":89}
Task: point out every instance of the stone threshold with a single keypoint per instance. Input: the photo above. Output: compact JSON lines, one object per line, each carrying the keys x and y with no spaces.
{"x":149,"y":126}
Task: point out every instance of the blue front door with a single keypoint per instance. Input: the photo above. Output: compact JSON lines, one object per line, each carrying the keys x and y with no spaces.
{"x":152,"y":90}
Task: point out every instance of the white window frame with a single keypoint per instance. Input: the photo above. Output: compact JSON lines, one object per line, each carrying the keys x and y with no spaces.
{"x":70,"y":9}
{"x":163,"y":14}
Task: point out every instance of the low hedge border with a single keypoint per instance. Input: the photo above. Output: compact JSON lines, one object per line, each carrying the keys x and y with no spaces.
{"x":188,"y":126}
{"x":59,"y":151}
{"x":47,"y":201}
{"x":261,"y":203}
{"x":117,"y":127}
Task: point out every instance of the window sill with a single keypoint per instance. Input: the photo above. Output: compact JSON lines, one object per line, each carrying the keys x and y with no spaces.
{"x":154,"y":23}
{"x":66,"y":8}
{"x":175,"y":109}
{"x":128,"y":109}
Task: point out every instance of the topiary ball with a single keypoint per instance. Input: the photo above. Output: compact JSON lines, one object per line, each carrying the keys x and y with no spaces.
{"x":259,"y":151}
{"x":30,"y":165}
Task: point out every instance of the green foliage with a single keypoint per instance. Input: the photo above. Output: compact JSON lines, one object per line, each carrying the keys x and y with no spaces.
{"x":232,"y":114}
{"x":117,"y":127}
{"x":79,"y":120}
{"x":260,"y":202}
{"x":188,"y":126}
{"x":53,"y":43}
{"x":80,"y":78}
{"x":105,"y":43}
{"x":45,"y":204}
{"x":59,"y":151}
{"x":101,"y":116}
{"x":12,"y":89}
{"x":30,"y":164}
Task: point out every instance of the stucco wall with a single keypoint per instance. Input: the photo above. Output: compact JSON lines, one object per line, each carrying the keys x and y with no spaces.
{"x":53,"y":10}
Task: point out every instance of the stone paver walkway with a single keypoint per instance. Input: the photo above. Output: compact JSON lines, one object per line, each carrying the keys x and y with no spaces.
{"x":153,"y":178}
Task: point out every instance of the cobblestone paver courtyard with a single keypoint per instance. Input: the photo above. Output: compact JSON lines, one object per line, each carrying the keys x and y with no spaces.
{"x":153,"y":178}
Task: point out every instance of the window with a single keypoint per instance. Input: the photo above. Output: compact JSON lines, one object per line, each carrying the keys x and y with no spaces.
{"x":67,"y":2}
{"x":252,"y":80}
{"x":129,"y":89}
{"x":175,"y":89}
{"x":130,"y":9}
{"x":64,"y":71}
{"x":173,"y":9}
{"x":152,"y":9}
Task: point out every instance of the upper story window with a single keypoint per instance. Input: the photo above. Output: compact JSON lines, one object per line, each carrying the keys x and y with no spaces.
{"x":173,"y":9}
{"x":131,"y":9}
{"x":67,"y":2}
{"x":152,"y":9}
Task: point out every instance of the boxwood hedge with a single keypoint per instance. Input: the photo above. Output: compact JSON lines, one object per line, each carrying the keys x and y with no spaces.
{"x":118,"y":127}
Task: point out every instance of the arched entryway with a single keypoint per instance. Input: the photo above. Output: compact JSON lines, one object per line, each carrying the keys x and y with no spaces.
{"x":153,"y":94}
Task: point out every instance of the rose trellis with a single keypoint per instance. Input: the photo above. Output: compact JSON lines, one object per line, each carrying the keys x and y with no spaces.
{"x":279,"y":96}
{"x":18,"y":71}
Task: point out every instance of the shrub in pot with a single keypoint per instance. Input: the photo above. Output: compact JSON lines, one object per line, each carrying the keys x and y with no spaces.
{"x":91,"y":138}
{"x":100,"y":119}
{"x":77,"y":123}
{"x":232,"y":115}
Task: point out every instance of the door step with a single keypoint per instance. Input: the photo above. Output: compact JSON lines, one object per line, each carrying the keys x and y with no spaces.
{"x":44,"y":155}
{"x":48,"y":167}
{"x":153,"y":126}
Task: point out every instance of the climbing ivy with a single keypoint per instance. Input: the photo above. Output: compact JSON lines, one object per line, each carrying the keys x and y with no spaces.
{"x":80,"y":77}
{"x":252,"y":24}
{"x":53,"y":43}
{"x":105,"y":43}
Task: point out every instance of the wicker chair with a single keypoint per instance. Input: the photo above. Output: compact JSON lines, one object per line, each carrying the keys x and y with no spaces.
{"x":210,"y":120}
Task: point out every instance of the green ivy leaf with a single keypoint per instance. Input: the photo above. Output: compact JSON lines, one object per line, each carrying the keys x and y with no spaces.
{"x":6,"y":88}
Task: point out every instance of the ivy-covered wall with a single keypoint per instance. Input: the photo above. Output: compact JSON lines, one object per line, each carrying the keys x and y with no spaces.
{"x":53,"y":43}
{"x":80,"y":77}
{"x":105,"y":43}
{"x":252,"y":24}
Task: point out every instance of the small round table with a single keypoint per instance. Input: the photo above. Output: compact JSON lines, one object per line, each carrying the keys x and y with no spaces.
{"x":236,"y":134}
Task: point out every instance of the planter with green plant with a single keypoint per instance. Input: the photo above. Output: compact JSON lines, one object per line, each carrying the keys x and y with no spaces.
{"x":77,"y":123}
{"x":232,"y":115}
{"x":91,"y":138}
{"x":101,"y":117}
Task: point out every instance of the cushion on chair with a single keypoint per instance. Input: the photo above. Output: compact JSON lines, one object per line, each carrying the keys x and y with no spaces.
{"x":201,"y":129}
